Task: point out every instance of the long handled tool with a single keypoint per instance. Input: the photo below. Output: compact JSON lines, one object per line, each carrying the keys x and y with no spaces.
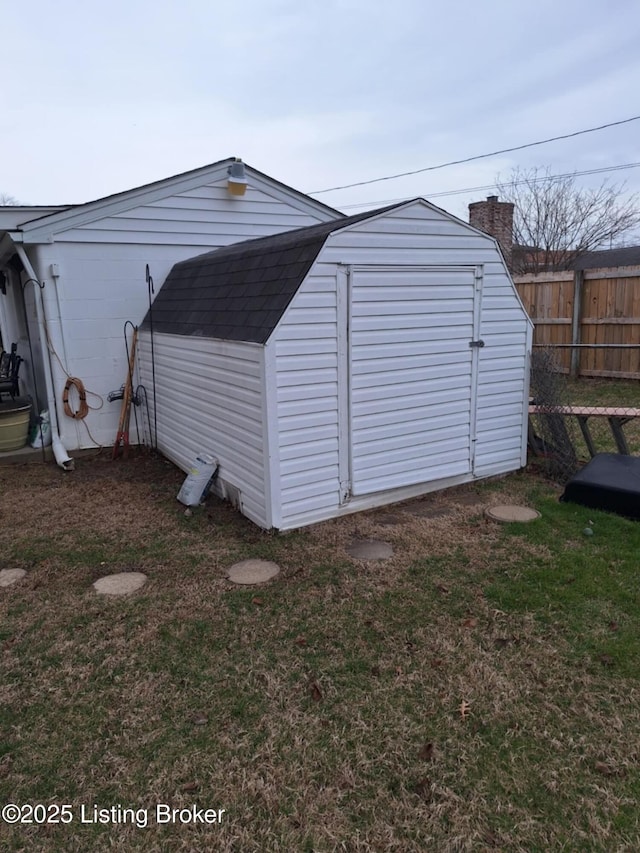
{"x":151,"y":290}
{"x":122,"y":438}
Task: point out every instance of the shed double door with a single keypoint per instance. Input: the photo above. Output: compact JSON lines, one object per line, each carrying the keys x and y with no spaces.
{"x":413,"y":372}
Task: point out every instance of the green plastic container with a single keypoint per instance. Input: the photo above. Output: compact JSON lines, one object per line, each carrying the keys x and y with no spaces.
{"x":14,"y":424}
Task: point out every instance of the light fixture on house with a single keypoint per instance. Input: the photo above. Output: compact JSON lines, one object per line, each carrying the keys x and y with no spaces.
{"x":237,"y":180}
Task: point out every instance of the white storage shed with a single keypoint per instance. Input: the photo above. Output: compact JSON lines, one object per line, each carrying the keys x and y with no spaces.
{"x":342,"y":366}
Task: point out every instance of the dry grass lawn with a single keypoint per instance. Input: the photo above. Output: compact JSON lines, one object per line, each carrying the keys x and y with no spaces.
{"x":476,"y":692}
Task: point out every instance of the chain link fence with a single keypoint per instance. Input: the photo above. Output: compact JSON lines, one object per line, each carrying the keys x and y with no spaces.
{"x":571,"y":420}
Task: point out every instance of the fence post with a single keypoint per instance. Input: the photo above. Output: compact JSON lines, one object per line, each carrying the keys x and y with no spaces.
{"x":578,"y":277}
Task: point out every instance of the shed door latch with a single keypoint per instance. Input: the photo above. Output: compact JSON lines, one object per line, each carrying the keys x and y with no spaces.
{"x":479,"y":344}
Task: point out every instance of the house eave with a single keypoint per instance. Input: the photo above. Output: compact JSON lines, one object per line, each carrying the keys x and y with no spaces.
{"x":43,"y":229}
{"x":15,"y":216}
{"x":8,"y":241}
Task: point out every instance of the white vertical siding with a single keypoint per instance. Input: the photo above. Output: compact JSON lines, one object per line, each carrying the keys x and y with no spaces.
{"x":503,"y":378}
{"x":402,"y":428}
{"x":270,"y":444}
{"x":307,"y":402}
{"x":311,"y":380}
{"x":210,"y":399}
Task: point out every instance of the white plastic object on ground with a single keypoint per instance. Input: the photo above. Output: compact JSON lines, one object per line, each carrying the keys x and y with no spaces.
{"x":42,"y":432}
{"x":199,"y":479}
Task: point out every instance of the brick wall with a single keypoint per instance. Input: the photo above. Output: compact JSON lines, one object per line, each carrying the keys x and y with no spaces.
{"x":496,"y":218}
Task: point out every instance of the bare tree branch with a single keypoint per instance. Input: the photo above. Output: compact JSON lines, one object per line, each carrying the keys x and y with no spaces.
{"x":556,"y":222}
{"x":7,"y":200}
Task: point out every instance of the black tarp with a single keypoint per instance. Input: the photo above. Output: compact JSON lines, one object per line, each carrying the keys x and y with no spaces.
{"x":610,"y":482}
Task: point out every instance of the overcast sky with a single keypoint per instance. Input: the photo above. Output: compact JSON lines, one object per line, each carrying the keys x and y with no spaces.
{"x":102,"y":97}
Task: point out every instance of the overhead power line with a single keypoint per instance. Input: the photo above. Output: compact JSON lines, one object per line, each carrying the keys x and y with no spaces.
{"x":493,"y":186}
{"x":477,"y":156}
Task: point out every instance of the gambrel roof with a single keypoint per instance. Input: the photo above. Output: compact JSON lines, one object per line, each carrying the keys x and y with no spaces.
{"x":240,"y":292}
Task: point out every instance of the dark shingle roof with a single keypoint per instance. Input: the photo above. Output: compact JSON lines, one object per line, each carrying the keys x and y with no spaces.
{"x":623,"y":257}
{"x":240,"y":292}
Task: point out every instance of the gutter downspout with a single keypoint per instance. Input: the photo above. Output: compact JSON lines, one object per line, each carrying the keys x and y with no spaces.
{"x":59,"y":451}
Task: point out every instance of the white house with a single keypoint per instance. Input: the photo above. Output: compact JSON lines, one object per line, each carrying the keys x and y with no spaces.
{"x":343,"y":365}
{"x":71,"y":277}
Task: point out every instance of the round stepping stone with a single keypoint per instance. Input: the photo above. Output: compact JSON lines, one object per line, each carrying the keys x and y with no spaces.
{"x":11,"y":576}
{"x":252,"y":571}
{"x":510,"y":512}
{"x":370,"y":549}
{"x":123,"y":583}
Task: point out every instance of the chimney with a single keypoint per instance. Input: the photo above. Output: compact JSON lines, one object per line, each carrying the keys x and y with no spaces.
{"x":496,"y":218}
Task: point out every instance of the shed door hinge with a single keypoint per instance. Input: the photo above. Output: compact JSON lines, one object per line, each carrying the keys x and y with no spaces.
{"x":478,"y":343}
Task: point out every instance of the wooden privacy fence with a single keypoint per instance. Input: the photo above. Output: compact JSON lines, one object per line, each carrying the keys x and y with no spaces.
{"x":591,"y":318}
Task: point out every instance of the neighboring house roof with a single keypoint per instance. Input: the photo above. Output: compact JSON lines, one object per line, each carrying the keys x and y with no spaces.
{"x":240,"y":292}
{"x":626,"y":256}
{"x":41,"y":228}
{"x":528,"y":257}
